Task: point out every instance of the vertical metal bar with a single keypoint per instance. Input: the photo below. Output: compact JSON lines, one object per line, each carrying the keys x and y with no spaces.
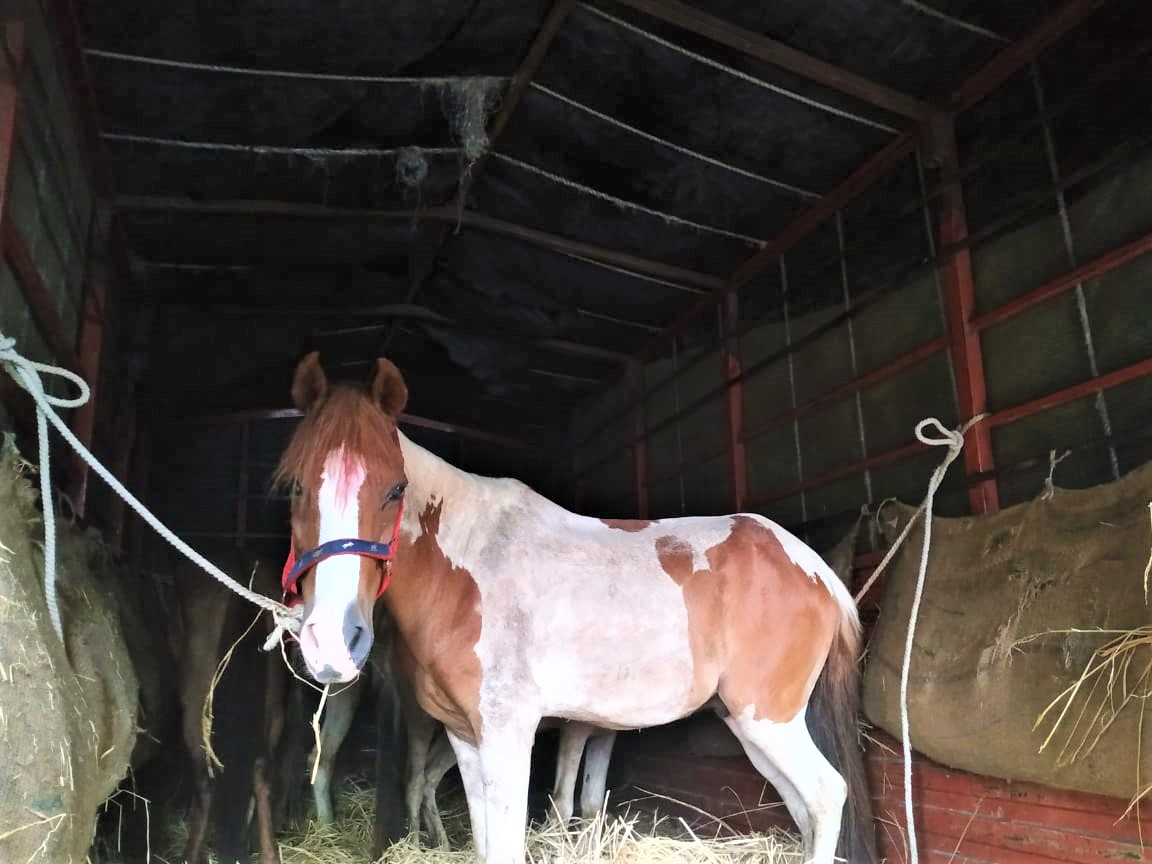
{"x":242,"y":485}
{"x":1070,"y":250}
{"x":141,"y":478}
{"x":737,"y":453}
{"x":126,"y":426}
{"x":844,"y":281}
{"x":16,"y":400}
{"x":13,"y":35}
{"x":960,"y":302}
{"x":640,"y":442}
{"x":930,"y":238}
{"x":783,"y":264}
{"x":90,"y":348}
{"x":679,"y":427}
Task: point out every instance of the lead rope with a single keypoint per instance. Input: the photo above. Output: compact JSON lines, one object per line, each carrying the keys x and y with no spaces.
{"x":27,"y":373}
{"x":954,"y":441}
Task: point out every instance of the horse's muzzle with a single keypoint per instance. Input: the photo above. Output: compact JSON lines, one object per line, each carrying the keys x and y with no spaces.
{"x":335,"y":650}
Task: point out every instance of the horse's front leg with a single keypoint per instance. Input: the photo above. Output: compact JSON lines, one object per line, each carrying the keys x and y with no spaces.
{"x":495,"y":774}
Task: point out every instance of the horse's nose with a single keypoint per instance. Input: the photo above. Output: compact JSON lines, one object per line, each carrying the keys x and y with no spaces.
{"x":357,"y":635}
{"x":326,"y":652}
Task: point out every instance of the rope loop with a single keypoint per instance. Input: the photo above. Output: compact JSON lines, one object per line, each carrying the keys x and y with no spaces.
{"x":26,"y":373}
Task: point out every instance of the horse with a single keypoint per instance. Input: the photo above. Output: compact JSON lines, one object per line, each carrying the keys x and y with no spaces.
{"x":511,"y":608}
{"x":247,"y":705}
{"x":428,"y":763}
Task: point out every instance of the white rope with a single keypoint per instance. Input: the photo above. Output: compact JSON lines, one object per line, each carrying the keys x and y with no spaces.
{"x":627,"y":205}
{"x":188,"y":65}
{"x":695,"y":154}
{"x":27,"y":374}
{"x":273,"y":149}
{"x":933,"y":12}
{"x":736,"y":73}
{"x":954,"y":441}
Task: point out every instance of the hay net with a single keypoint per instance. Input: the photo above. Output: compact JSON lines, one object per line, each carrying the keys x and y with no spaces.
{"x":1000,"y":636}
{"x":67,"y":712}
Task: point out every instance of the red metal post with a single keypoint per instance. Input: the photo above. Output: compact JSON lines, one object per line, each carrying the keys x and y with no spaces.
{"x":18,"y":403}
{"x":737,"y":454}
{"x":140,"y":480}
{"x":960,"y":300}
{"x":90,"y":346}
{"x":639,"y":443}
{"x":127,"y":428}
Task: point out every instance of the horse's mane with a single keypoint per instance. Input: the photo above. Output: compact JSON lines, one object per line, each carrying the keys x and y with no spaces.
{"x":346,"y":416}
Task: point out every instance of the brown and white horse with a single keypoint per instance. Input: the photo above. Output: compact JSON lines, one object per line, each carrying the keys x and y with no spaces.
{"x":510,"y":608}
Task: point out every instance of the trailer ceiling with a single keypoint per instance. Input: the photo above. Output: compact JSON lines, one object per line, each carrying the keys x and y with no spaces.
{"x":287,"y":175}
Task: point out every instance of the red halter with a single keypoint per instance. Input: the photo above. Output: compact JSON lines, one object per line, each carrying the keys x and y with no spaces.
{"x":295,"y":568}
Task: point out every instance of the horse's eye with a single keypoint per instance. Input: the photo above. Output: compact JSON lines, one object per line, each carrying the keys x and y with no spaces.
{"x":297,"y":489}
{"x":394,"y":494}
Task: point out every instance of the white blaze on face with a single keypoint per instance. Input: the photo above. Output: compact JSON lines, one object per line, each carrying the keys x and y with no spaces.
{"x":338,"y":578}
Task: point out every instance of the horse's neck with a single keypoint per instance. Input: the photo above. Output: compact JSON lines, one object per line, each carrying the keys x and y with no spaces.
{"x":472,"y":505}
{"x":432,"y":478}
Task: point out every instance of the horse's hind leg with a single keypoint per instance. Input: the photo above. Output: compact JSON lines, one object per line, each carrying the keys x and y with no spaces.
{"x":597,"y":755}
{"x":195,"y":851}
{"x":262,"y":791}
{"x":812,"y":789}
{"x":440,"y":761}
{"x":573,"y":737}
{"x":421,"y":731}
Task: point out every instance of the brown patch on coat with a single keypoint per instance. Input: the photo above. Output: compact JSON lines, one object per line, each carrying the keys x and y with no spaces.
{"x":436,"y":608}
{"x":704,"y":615}
{"x":760,"y":627}
{"x":629,"y":525}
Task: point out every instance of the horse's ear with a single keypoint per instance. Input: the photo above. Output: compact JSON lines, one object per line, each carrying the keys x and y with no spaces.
{"x":388,"y":388}
{"x":309,"y":384}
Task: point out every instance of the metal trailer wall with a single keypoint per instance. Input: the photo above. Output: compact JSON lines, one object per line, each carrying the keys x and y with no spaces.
{"x":830,"y":400}
{"x":54,"y":294}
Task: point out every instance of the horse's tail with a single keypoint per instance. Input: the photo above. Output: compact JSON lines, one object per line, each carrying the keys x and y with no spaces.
{"x":238,"y":726}
{"x":832,"y":722}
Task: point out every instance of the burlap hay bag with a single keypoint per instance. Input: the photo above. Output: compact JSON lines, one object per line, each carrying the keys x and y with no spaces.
{"x":977,"y":682}
{"x":67,"y":721}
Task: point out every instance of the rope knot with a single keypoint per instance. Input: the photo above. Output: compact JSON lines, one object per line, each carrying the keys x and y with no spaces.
{"x":287,"y":621}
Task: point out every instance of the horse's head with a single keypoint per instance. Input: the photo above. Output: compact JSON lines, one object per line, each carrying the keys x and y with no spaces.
{"x":346,"y":474}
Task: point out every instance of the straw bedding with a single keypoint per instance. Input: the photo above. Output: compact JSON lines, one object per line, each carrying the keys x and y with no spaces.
{"x":637,"y":837}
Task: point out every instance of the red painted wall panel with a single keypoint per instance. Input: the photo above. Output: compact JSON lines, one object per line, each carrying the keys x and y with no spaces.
{"x":960,"y":817}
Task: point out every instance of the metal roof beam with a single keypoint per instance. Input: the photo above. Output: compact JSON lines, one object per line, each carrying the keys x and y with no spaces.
{"x":408,"y":311}
{"x":785,"y":57}
{"x":469,"y":218}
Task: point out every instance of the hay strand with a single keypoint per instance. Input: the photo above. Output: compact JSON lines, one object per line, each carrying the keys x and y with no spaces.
{"x":1148,"y":566}
{"x":315,"y":724}
{"x":206,"y":715}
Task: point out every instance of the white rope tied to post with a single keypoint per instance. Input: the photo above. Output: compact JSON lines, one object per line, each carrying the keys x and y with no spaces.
{"x":27,"y":374}
{"x":954,"y":441}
